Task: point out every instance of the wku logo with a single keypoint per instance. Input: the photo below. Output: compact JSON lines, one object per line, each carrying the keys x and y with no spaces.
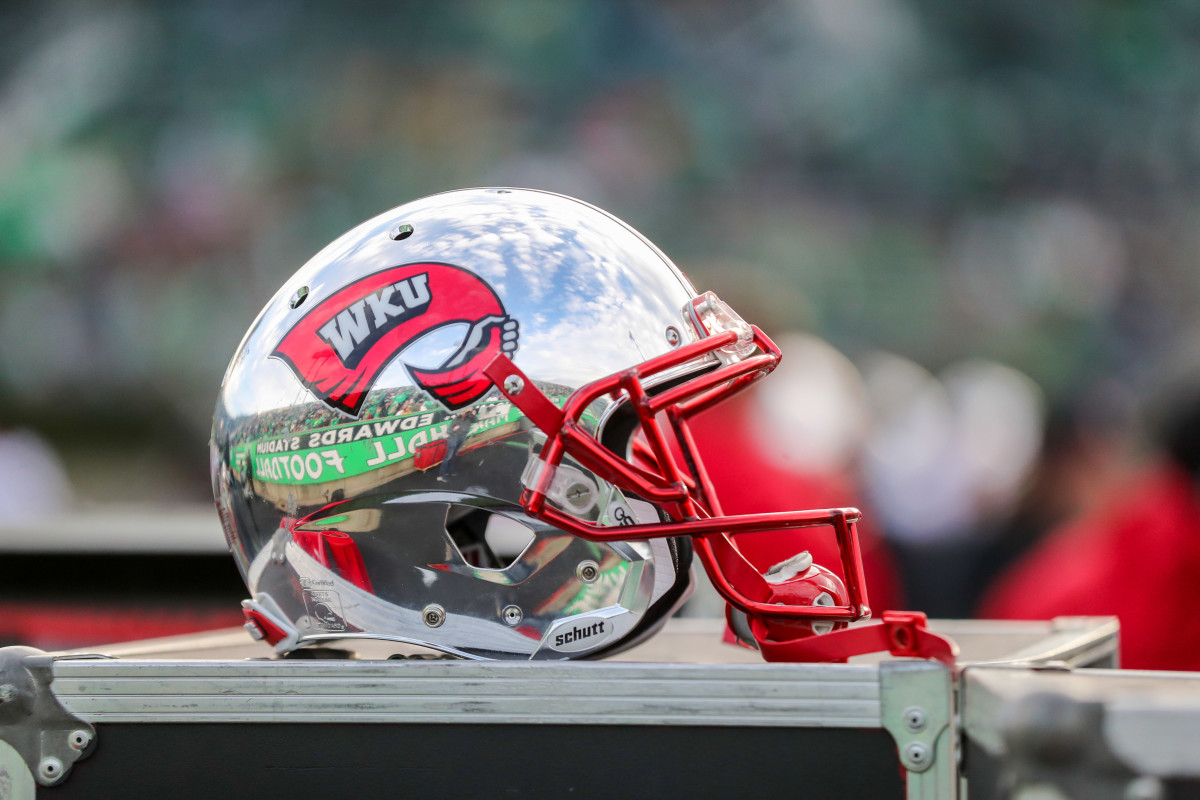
{"x":339,"y":348}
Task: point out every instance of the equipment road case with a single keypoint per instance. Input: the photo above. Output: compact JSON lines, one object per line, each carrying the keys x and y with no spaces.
{"x":1088,"y":735}
{"x":683,"y":715}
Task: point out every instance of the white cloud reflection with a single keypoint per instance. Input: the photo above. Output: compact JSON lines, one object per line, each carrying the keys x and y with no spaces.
{"x":591,"y":295}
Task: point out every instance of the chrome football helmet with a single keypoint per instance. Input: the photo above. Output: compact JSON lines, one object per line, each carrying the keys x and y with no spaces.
{"x":463,"y":425}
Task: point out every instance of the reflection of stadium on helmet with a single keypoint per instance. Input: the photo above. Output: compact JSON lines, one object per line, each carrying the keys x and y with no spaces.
{"x":551,"y":513}
{"x":309,"y":453}
{"x":590,"y":297}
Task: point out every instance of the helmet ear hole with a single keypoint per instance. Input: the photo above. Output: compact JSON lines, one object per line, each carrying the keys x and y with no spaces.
{"x":485,"y":539}
{"x":507,"y":538}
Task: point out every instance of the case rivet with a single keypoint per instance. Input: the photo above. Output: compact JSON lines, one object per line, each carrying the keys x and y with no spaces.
{"x":79,"y":739}
{"x":434,"y":615}
{"x":917,"y":756}
{"x":51,"y":768}
{"x":914,"y":719}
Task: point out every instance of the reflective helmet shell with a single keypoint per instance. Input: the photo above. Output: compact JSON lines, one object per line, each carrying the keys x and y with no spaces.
{"x":368,"y":478}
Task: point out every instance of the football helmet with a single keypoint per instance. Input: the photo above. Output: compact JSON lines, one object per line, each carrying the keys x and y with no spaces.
{"x":464,"y":425}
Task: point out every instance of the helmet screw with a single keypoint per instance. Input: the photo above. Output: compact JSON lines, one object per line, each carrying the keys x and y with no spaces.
{"x":401,"y":232}
{"x":79,"y":739}
{"x":434,"y":615}
{"x":512,"y":615}
{"x":51,"y":768}
{"x":578,"y":495}
{"x":588,"y":571}
{"x":298,"y":297}
{"x":513,"y":384}
{"x":673,"y":337}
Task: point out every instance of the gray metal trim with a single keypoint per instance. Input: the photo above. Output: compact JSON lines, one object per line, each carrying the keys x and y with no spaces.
{"x":33,"y":723}
{"x":979,"y":708}
{"x":478,"y":692}
{"x":917,"y":702}
{"x":1151,"y":720}
{"x":1071,"y":641}
{"x":1075,"y":642}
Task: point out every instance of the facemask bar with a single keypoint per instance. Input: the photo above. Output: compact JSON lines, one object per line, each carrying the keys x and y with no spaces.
{"x":742,"y":354}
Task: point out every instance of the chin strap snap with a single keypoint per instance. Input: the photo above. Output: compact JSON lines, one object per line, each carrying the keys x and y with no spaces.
{"x":901,"y":633}
{"x":266,"y":620}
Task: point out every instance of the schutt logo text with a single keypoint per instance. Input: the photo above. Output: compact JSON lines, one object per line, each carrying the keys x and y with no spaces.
{"x":579,"y":632}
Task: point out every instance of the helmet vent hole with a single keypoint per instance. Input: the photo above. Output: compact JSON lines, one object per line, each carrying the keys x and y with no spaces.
{"x":487,"y":540}
{"x":298,"y":297}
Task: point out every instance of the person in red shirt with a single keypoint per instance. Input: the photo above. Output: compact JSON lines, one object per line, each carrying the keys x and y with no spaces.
{"x":1136,"y":556}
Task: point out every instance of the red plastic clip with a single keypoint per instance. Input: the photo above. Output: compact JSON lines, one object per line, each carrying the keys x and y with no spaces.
{"x":901,"y":633}
{"x":269,"y":630}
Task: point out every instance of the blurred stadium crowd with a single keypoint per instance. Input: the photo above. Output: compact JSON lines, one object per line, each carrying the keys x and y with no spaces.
{"x":979,"y":222}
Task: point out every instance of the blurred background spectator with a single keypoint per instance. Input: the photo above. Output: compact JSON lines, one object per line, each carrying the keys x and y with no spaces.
{"x":1135,"y":555}
{"x":982,"y":218}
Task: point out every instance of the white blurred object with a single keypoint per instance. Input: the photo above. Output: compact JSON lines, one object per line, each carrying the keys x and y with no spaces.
{"x":910,"y":465}
{"x":812,"y":414}
{"x":116,"y":528}
{"x":1000,"y":414}
{"x":883,"y":34}
{"x":32,"y":480}
{"x":942,"y":455}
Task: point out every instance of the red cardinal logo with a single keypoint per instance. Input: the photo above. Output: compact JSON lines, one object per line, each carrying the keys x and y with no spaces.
{"x":339,"y":348}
